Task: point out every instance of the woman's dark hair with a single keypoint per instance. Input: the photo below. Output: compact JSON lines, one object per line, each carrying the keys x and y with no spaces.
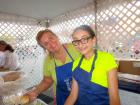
{"x":8,"y":46}
{"x":87,"y":29}
{"x":2,"y":42}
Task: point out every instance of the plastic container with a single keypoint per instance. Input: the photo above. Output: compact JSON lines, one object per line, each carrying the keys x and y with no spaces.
{"x":12,"y":87}
{"x":12,"y":91}
{"x":39,"y":102}
{"x":13,"y":99}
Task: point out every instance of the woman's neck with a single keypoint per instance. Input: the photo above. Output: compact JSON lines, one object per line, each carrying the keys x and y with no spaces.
{"x":89,"y":54}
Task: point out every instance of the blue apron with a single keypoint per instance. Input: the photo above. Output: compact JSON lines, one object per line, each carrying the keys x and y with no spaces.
{"x":89,"y":93}
{"x":64,"y":79}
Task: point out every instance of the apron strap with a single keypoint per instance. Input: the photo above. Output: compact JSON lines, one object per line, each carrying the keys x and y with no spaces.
{"x":92,"y":68}
{"x":67,"y":53}
{"x":93,"y":63}
{"x":80,"y":61}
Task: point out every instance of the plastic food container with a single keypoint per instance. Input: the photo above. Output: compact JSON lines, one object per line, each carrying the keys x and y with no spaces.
{"x":38,"y":102}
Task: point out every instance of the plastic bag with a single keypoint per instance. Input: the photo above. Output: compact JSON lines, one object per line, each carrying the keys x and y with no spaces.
{"x":12,"y":91}
{"x":13,"y":99}
{"x":1,"y":81}
{"x":11,"y":87}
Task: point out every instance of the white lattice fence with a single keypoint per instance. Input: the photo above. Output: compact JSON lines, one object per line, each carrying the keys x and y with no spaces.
{"x":117,"y":22}
{"x":64,"y":24}
{"x":20,"y":32}
{"x":118,"y":27}
{"x":118,"y":31}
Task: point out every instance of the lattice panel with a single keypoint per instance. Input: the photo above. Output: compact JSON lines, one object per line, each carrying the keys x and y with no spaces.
{"x":118,"y":31}
{"x":64,"y":24}
{"x":20,"y":32}
{"x":118,"y":27}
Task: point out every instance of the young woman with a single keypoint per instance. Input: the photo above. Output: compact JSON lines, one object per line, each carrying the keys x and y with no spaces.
{"x":94,"y":73}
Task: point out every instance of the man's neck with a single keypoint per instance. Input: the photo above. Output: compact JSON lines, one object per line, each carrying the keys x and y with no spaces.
{"x":61,"y":54}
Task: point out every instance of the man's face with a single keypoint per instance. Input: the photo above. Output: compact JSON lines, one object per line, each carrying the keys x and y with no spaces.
{"x":50,"y":42}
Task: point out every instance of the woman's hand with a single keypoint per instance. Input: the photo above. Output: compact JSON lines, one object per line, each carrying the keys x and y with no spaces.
{"x":73,"y":94}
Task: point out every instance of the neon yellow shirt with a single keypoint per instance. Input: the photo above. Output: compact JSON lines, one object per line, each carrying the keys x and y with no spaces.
{"x":49,"y":65}
{"x":104,"y":63}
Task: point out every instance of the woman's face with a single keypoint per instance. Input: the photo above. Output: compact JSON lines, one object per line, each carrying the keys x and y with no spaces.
{"x":83,"y":41}
{"x":2,"y":47}
{"x":50,"y":42}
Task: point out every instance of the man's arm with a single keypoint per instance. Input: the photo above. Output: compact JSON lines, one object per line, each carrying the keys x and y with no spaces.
{"x":44,"y":85}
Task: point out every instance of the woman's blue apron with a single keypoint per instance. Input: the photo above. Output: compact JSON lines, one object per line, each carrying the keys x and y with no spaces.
{"x":64,"y":79}
{"x":89,"y":93}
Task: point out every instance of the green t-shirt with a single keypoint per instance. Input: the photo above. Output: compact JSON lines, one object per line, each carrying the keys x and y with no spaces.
{"x":104,"y":63}
{"x":49,"y":65}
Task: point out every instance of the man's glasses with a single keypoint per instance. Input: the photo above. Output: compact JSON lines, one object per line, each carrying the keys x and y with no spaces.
{"x":82,"y":41}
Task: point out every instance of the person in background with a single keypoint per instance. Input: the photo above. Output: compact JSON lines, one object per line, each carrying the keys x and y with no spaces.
{"x":8,"y":66}
{"x":10,"y":59}
{"x":94,"y":73}
{"x":2,"y":54}
{"x":57,"y":66}
{"x":2,"y":59}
